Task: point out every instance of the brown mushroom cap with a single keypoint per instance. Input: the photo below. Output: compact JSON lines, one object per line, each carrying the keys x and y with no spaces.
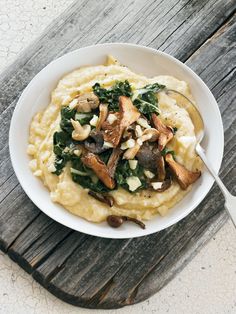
{"x":127,"y":115}
{"x":98,"y":166}
{"x":166,"y":132}
{"x":183,"y":176}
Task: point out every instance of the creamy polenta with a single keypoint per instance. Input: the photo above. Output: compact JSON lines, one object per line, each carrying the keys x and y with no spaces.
{"x":142,"y":204}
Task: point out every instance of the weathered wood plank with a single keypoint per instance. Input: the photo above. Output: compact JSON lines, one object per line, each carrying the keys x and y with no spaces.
{"x":104,"y":273}
{"x":187,"y":236}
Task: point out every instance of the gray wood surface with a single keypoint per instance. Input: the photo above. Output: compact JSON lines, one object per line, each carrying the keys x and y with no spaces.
{"x":102,"y":273}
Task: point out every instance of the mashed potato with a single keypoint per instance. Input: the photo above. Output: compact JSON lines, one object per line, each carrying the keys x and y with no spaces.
{"x":141,"y":205}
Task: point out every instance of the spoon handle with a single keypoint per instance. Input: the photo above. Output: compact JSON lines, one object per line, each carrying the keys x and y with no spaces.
{"x":230,"y":200}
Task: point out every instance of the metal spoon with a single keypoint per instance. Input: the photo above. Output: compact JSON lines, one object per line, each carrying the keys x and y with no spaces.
{"x":185,"y":102}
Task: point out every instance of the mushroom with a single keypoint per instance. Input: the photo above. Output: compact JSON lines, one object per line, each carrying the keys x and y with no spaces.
{"x":97,"y":145}
{"x":150,"y":135}
{"x":127,"y":115}
{"x":103,"y":112}
{"x":130,"y":153}
{"x":107,"y":199}
{"x":148,"y":156}
{"x":80,"y":132}
{"x":87,"y":102}
{"x":165,"y":185}
{"x":113,"y":161}
{"x":99,"y":167}
{"x":183,"y":176}
{"x":166,"y":132}
{"x":116,"y":221}
{"x":161,"y":171}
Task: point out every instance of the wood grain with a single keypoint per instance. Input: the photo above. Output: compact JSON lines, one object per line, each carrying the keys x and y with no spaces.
{"x":104,"y":273}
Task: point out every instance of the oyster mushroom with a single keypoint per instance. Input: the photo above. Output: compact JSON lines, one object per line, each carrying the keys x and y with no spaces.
{"x":130,"y":153}
{"x":166,"y":132}
{"x":183,"y":176}
{"x":113,"y":161}
{"x":150,"y":135}
{"x":95,"y":146}
{"x":87,"y":102}
{"x":80,"y":132}
{"x":161,"y":171}
{"x":127,"y":115}
{"x":99,"y":167}
{"x":103,"y":112}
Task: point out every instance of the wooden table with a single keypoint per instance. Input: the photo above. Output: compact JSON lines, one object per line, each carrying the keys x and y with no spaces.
{"x":102,"y":273}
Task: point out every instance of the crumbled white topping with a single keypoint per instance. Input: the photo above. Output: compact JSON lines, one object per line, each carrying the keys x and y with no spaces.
{"x":149,"y":174}
{"x":138,"y":131}
{"x":111,"y":118}
{"x":128,"y":144}
{"x":133,"y":164}
{"x":94,"y":120}
{"x":156,"y":185}
{"x":143,"y":123}
{"x":107,"y":144}
{"x":77,"y":152}
{"x":133,"y":183}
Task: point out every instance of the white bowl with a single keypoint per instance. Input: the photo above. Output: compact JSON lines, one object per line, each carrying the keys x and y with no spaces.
{"x":142,"y":60}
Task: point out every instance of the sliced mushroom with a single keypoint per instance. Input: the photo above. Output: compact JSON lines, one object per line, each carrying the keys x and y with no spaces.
{"x":183,"y":176}
{"x":80,"y":132}
{"x":166,"y":132}
{"x":127,"y":115}
{"x":103,"y":112}
{"x":113,"y":160}
{"x":107,"y":199}
{"x":87,"y":102}
{"x":150,"y":135}
{"x":98,"y":166}
{"x":95,"y":146}
{"x":161,"y":171}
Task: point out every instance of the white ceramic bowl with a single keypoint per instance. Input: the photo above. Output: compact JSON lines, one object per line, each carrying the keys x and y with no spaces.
{"x":142,"y":60}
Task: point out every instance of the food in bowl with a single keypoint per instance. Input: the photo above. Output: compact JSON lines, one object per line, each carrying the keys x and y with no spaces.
{"x":113,"y":145}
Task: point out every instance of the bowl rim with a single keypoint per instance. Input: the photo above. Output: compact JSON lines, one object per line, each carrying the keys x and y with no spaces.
{"x":120,"y":235}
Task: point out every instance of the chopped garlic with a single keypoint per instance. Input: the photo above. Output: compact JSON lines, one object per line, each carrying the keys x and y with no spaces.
{"x":33,"y":164}
{"x":133,"y":164}
{"x":107,"y":144}
{"x":111,"y":118}
{"x":139,"y":142}
{"x":156,"y":185}
{"x":133,"y":183}
{"x":77,"y":152}
{"x":31,"y":150}
{"x":149,"y":174}
{"x":38,"y":173}
{"x":128,"y":144}
{"x":138,"y":131}
{"x":94,"y":120}
{"x":73,"y":103}
{"x":143,"y":123}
